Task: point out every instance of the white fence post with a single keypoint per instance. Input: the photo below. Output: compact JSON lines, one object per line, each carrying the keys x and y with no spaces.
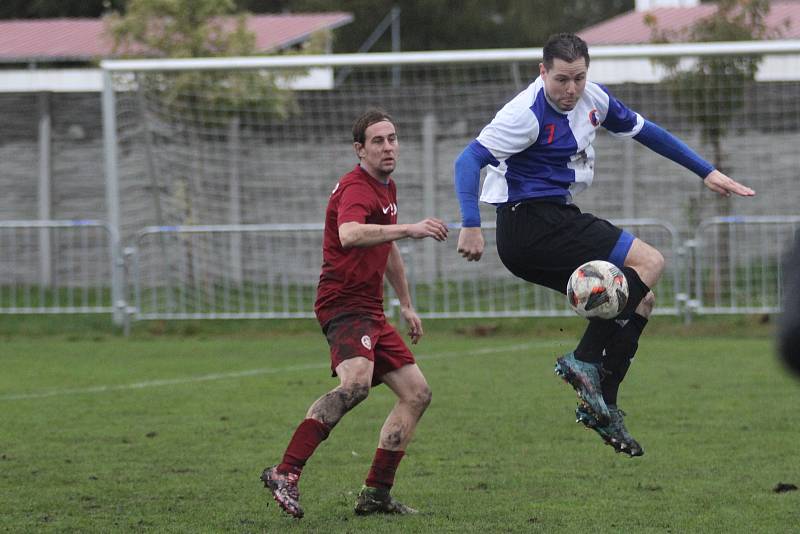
{"x":45,"y":188}
{"x":112,"y":194}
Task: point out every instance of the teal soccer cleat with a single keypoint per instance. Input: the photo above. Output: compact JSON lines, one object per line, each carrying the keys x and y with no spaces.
{"x":614,"y":434}
{"x":585,"y":378}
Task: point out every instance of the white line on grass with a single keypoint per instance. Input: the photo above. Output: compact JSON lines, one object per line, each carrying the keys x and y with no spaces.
{"x":251,"y":372}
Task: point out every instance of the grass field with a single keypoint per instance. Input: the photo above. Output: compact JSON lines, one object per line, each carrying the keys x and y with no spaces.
{"x":168,"y":430}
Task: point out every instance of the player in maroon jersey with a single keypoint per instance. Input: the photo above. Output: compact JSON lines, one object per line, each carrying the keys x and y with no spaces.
{"x":358,"y":250}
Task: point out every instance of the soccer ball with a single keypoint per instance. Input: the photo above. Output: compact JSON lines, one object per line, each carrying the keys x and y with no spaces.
{"x":597,"y":289}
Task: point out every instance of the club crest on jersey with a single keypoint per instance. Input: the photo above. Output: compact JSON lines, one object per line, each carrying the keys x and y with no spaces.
{"x":367,"y":342}
{"x":593,"y":118}
{"x":391,"y":209}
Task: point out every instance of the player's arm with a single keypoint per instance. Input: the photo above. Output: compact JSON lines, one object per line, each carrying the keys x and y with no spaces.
{"x":622,"y":121}
{"x":396,"y":275}
{"x":467,"y":184}
{"x":512,"y":130}
{"x":355,"y":234}
{"x":663,"y":142}
{"x":355,"y":205}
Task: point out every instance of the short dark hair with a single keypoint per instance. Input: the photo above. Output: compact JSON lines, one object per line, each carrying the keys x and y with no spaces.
{"x":367,"y":119}
{"x":566,"y":47}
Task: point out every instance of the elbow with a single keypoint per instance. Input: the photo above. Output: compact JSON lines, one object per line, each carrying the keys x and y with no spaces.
{"x":347,"y":240}
{"x":348,"y":235}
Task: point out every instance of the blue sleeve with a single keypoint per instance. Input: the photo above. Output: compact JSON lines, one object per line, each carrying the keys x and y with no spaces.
{"x":662,"y":142}
{"x":468,"y":180}
{"x":619,"y":118}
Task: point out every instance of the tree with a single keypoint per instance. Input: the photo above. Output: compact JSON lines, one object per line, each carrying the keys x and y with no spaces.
{"x":713,"y":90}
{"x":469,"y":23}
{"x":201,"y":109}
{"x":181,"y":28}
{"x":199,"y":28}
{"x":29,"y":9}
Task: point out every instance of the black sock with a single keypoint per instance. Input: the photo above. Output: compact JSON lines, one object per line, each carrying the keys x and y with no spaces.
{"x":597,"y":334}
{"x":636,"y":292}
{"x":620,"y":351}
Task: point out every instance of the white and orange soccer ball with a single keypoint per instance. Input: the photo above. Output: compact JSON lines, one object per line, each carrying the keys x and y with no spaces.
{"x":597,"y":289}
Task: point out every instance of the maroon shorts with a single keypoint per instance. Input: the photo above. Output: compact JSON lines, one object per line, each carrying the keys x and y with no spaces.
{"x":370,"y":336}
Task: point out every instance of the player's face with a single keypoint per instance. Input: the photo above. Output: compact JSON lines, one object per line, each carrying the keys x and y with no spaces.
{"x":378,"y":154}
{"x":564,"y":82}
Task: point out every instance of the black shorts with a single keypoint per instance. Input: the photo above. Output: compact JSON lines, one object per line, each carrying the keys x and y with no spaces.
{"x":543,"y":241}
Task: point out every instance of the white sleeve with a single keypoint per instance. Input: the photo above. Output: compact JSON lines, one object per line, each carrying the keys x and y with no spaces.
{"x":512,"y":130}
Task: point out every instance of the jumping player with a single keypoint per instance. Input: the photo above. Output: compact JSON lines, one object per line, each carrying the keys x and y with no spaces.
{"x":358,"y":249}
{"x":539,"y":153}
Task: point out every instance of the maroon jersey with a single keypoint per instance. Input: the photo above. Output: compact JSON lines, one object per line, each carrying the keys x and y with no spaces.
{"x":352,"y":279}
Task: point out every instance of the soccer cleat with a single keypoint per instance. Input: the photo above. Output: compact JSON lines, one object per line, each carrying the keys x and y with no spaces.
{"x":378,"y":501}
{"x":284,"y":490}
{"x":614,"y":434}
{"x":585,"y":378}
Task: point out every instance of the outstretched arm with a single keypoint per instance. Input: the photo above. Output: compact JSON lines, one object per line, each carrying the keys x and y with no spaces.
{"x":663,"y":142}
{"x":396,"y":275}
{"x":719,"y":183}
{"x":353,"y":234}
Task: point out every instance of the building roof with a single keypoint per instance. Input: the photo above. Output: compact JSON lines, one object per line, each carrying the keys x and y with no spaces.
{"x":630,"y":28}
{"x":86,"y":39}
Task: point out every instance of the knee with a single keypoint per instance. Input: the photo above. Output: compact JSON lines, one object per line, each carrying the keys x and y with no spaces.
{"x":645,"y":307}
{"x":421,"y":398}
{"x":657,"y":264}
{"x":648,"y":264}
{"x":650,"y":267}
{"x":425,"y":396}
{"x":354,"y":393}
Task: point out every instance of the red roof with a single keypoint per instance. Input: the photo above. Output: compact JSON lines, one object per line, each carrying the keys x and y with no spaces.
{"x":86,"y":39}
{"x":629,"y":28}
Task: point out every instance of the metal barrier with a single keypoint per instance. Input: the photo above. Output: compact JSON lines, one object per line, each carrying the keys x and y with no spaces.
{"x":265,"y":271}
{"x":737,"y":263}
{"x":56,"y":266}
{"x":271,"y":271}
{"x":457,"y":288}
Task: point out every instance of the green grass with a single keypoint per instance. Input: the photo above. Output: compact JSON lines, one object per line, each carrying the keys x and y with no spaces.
{"x":158,"y":432}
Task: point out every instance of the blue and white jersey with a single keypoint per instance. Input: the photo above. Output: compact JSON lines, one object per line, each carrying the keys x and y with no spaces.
{"x":541,"y":151}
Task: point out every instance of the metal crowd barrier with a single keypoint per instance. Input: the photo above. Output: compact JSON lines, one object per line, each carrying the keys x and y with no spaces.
{"x":56,"y":266}
{"x":258,"y":271}
{"x":732,"y":265}
{"x":738,"y":263}
{"x":444,"y":285}
{"x":271,"y":271}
